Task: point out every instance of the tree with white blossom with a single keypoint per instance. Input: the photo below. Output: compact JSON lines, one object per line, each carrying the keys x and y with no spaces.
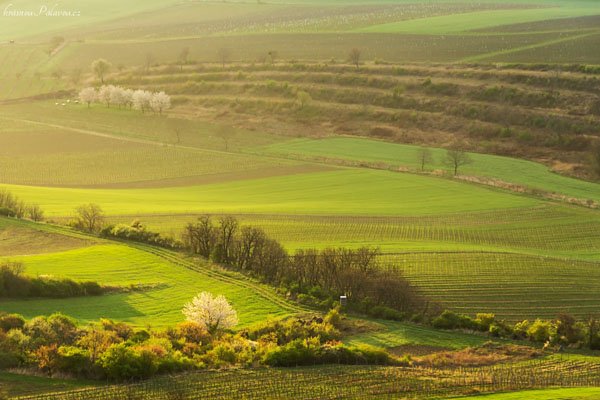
{"x":213,"y":313}
{"x":88,"y":95}
{"x":141,"y":100}
{"x":160,"y":101}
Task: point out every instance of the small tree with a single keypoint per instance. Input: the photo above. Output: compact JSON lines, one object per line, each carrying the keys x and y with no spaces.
{"x":149,"y":61}
{"x":273,"y":54}
{"x":100,"y":67}
{"x":456,"y":159}
{"x":35,"y":213}
{"x":213,"y":313}
{"x":424,"y":157}
{"x":183,"y":56}
{"x":226,"y":134}
{"x":223,"y":54}
{"x":303,"y":98}
{"x":91,"y":217}
{"x":354,"y":57}
{"x":76,"y":75}
{"x":88,"y":95}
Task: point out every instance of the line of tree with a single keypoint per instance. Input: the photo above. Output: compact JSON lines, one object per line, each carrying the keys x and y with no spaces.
{"x":315,"y":277}
{"x":453,"y":159}
{"x":12,"y":206}
{"x":142,"y":100}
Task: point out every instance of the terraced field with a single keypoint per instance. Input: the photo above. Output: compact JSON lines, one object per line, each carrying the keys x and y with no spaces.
{"x":534,"y":114}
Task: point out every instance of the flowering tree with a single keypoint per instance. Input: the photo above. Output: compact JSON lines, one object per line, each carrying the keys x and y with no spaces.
{"x":213,"y":313}
{"x":88,"y":95}
{"x":141,"y":99}
{"x":105,"y":94}
{"x":160,"y":101}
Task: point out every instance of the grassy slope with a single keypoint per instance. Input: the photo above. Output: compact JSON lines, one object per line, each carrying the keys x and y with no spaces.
{"x":394,"y":334}
{"x":458,"y":23}
{"x":25,"y":385}
{"x":122,"y":265}
{"x":508,"y":169}
{"x":543,"y":394}
{"x":345,"y":192}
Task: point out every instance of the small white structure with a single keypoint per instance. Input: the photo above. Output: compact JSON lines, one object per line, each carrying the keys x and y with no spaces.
{"x":343,"y":300}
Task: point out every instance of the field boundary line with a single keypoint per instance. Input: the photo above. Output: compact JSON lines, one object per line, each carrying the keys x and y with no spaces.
{"x":528,"y":47}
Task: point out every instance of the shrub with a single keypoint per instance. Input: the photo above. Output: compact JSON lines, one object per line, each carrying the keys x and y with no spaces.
{"x":387,"y":313}
{"x":540,"y":331}
{"x":11,"y":321}
{"x":120,"y":362}
{"x":73,"y":360}
{"x":7,"y":212}
{"x":451,"y":320}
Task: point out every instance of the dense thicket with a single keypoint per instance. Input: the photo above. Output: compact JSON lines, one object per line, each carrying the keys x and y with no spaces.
{"x":12,"y":206}
{"x":316,"y":277}
{"x":116,"y":351}
{"x":138,"y":232}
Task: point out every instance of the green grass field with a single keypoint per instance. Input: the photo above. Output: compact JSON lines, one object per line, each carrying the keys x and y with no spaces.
{"x":522,"y":172}
{"x":344,"y":192}
{"x":173,"y":282}
{"x":544,"y":394}
{"x":459,"y":23}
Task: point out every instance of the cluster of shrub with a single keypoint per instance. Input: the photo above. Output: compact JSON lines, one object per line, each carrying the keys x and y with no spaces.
{"x":138,"y":232}
{"x":12,"y":206}
{"x":142,"y":100}
{"x":314,"y":277}
{"x":14,"y":284}
{"x":117,"y":351}
{"x":564,"y":330}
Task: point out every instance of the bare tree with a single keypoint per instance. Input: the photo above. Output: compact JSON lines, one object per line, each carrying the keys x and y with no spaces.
{"x":35,"y":213}
{"x":101,"y":68}
{"x":424,"y":157}
{"x":76,"y":75}
{"x":273,"y":54}
{"x":149,"y":61}
{"x":226,"y":133}
{"x":224,"y":54}
{"x":354,"y":57}
{"x":227,"y":229}
{"x":183,"y":56}
{"x":91,"y":217}
{"x":456,"y":158}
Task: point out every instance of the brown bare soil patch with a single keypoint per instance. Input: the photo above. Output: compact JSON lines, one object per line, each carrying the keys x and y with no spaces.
{"x":416,"y":350}
{"x":17,"y":241}
{"x":489,"y":353}
{"x":215,"y":178}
